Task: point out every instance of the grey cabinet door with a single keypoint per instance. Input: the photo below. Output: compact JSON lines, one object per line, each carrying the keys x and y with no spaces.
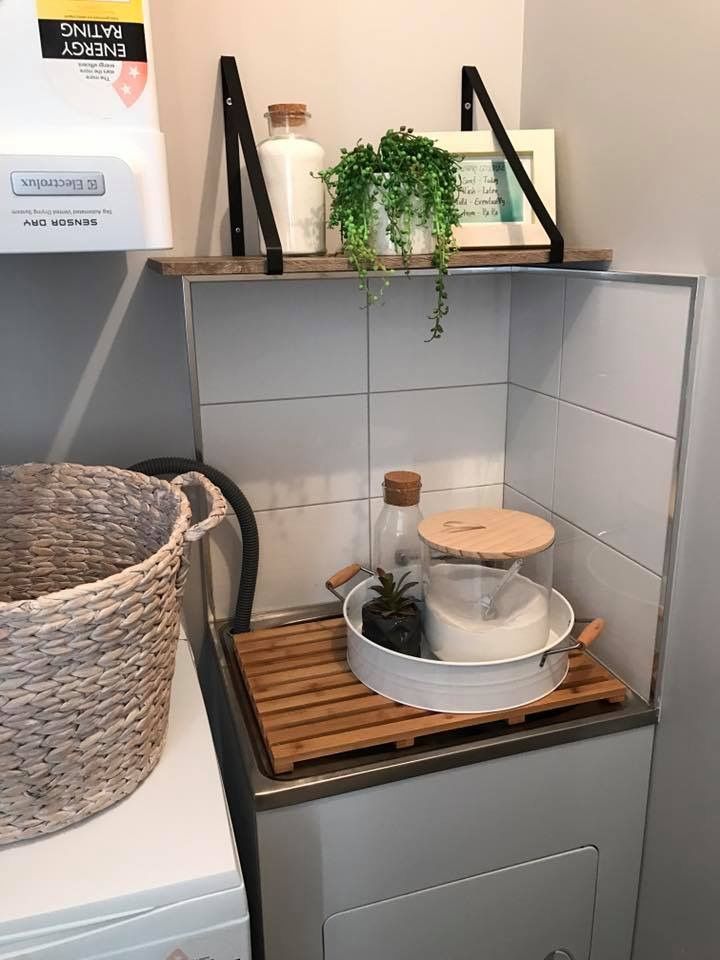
{"x":532,"y":911}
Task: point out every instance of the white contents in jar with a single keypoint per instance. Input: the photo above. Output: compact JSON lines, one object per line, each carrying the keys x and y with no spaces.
{"x":289,"y":159}
{"x":455,"y":628}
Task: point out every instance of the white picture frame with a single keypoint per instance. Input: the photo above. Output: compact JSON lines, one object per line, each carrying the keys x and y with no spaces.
{"x":497,"y":214}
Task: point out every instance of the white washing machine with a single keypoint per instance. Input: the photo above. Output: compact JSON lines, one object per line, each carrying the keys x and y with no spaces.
{"x":155,"y":877}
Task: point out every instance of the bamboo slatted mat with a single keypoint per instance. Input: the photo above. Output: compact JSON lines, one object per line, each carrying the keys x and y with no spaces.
{"x":309,"y":705}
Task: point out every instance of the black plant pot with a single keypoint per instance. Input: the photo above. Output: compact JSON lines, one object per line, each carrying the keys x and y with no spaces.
{"x":399,"y":632}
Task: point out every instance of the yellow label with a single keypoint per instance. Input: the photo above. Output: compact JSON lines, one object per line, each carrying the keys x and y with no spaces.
{"x":117,"y":11}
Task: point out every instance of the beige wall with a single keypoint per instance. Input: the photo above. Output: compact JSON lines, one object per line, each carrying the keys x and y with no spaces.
{"x":92,"y":359}
{"x":629,"y":87}
{"x":361,"y":69}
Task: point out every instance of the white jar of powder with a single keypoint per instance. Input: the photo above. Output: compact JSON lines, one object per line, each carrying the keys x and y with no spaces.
{"x":289,"y":157}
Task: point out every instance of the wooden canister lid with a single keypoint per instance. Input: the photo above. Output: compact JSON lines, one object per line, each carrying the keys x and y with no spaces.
{"x":401,"y":488}
{"x":486,"y":534}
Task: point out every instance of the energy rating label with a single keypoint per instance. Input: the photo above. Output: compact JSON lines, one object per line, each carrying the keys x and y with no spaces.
{"x":95,"y":52}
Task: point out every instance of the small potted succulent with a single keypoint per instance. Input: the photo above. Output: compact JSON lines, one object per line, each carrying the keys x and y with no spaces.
{"x":399,"y":198}
{"x":392,"y":619}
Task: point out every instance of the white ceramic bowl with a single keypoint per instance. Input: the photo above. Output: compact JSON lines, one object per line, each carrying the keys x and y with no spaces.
{"x":451,"y":686}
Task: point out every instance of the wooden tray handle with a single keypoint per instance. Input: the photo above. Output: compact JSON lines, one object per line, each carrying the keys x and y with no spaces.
{"x":340,"y":578}
{"x":592,"y":631}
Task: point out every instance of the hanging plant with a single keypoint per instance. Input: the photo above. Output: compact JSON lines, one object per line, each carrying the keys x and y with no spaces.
{"x":406,"y":183}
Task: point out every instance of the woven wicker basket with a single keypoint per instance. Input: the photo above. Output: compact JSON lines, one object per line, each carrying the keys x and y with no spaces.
{"x":93,"y":561}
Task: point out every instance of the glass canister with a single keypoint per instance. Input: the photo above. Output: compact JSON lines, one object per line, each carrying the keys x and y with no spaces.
{"x":396,"y":544}
{"x":289,"y":157}
{"x":487,"y":580}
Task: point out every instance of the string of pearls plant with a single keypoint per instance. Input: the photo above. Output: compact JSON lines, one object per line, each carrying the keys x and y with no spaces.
{"x":416,"y":182}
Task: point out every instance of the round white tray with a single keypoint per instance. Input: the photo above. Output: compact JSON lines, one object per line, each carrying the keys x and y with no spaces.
{"x":452,"y":687}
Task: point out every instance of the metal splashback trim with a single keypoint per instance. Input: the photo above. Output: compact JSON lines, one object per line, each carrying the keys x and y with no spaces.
{"x":586,"y":271}
{"x":191,"y":349}
{"x":676,"y":495}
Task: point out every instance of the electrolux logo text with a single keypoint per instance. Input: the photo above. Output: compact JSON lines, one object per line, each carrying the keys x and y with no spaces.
{"x":57,"y":183}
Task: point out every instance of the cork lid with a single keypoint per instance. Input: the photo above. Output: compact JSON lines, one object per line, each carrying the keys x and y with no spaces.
{"x":401,"y":488}
{"x":486,"y":534}
{"x":293,"y":114}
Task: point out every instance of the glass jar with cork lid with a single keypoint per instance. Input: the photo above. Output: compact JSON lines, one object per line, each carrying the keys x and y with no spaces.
{"x":396,"y":544}
{"x":487,"y":581}
{"x":289,"y":158}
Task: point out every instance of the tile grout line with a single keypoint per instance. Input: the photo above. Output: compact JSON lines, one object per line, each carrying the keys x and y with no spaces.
{"x":598,"y":413}
{"x":528,"y":497}
{"x":507,"y":385}
{"x":474,"y":486}
{"x":556,"y":441}
{"x":311,"y":396}
{"x":368,"y":500}
{"x":587,"y":533}
{"x":450,"y":386}
{"x":356,"y":393}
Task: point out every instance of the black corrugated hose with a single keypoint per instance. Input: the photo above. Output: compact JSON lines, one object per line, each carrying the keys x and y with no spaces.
{"x":172,"y":466}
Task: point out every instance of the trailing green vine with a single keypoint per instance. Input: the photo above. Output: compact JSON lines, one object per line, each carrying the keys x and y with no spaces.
{"x":416,"y":182}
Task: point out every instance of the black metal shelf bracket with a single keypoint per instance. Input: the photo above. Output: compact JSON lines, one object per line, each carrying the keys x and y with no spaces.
{"x":473,"y":86}
{"x":238,"y":133}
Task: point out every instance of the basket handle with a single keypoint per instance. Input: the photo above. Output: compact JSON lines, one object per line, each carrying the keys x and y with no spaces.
{"x":218,"y":504}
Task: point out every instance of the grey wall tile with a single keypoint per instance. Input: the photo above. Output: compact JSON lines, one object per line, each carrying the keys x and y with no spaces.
{"x":438,"y":501}
{"x":300,"y":548}
{"x":291,"y":338}
{"x":614,"y":480}
{"x":530,"y":444}
{"x":285,"y":453}
{"x":453,"y":437}
{"x":512,"y":500}
{"x":473,"y":349}
{"x":600,"y":582}
{"x":536,"y":323}
{"x":624,"y":350}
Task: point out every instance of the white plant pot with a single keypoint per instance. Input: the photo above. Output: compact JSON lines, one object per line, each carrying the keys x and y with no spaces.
{"x":422,"y":238}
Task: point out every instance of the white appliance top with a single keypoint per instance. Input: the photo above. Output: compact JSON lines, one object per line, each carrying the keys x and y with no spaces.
{"x":167,"y":842}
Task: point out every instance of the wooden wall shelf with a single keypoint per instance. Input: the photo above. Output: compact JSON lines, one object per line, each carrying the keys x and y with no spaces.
{"x":463,"y":259}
